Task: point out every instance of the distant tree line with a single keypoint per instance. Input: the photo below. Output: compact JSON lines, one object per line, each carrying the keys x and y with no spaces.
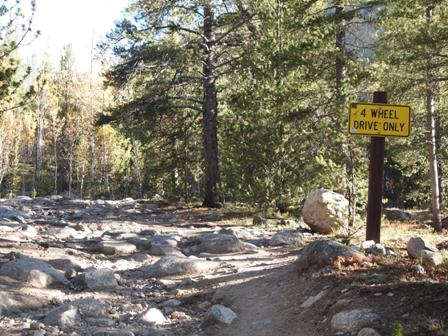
{"x":237,"y":100}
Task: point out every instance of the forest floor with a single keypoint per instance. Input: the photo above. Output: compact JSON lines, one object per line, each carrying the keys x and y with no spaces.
{"x":258,"y":280}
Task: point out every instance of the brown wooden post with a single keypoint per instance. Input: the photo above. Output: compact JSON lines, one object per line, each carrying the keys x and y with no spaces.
{"x":376,"y":179}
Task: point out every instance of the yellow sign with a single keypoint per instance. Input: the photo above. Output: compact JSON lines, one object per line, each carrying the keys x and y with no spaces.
{"x":379,"y":120}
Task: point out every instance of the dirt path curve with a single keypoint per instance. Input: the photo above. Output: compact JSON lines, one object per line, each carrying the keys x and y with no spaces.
{"x":267,"y":302}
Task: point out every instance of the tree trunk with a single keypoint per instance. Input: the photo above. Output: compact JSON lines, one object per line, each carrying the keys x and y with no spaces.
{"x":209,"y":118}
{"x":70,"y":173}
{"x":93,"y":162}
{"x":174,"y":171}
{"x":81,"y":186}
{"x":138,"y":173}
{"x":185,"y":162}
{"x":339,"y":63}
{"x":39,"y":140}
{"x":106,"y":173}
{"x":431,"y":132}
{"x":2,"y":161}
{"x":348,"y":168}
{"x":432,"y":156}
{"x":55,"y":159}
{"x":92,"y":156}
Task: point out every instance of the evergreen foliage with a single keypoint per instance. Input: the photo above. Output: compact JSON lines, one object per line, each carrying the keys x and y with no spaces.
{"x":234,"y":100}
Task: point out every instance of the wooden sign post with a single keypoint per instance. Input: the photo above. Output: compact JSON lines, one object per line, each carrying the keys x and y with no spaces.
{"x":379,"y":120}
{"x":376,"y":179}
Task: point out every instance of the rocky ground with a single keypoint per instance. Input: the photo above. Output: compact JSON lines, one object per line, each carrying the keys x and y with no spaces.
{"x":130,"y":267}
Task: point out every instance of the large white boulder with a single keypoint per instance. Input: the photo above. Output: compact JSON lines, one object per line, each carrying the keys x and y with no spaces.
{"x":326,"y":211}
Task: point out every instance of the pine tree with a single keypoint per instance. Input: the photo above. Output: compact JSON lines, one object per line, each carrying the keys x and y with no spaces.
{"x":183,"y":49}
{"x":412,"y":48}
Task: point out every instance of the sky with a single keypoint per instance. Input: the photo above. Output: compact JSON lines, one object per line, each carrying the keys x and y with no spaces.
{"x":75,"y":22}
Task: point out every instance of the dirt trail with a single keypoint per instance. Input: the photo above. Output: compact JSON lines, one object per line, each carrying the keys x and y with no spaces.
{"x":267,"y":303}
{"x":128,"y":237}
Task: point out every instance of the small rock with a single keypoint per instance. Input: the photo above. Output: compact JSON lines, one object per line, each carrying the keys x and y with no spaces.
{"x":153,"y":316}
{"x":171,"y":265}
{"x":321,"y":253}
{"x":214,"y":217}
{"x":168,"y":310}
{"x":417,"y":244}
{"x":287,"y":237}
{"x":377,"y":250}
{"x":219,"y":296}
{"x":420,"y":248}
{"x":215,"y":243}
{"x":35,"y":325}
{"x":89,"y":307}
{"x":390,"y":252}
{"x":178,"y":315}
{"x":204,"y":305}
{"x":443,"y":245}
{"x":143,"y":244}
{"x":397,"y":214}
{"x":220,"y":313}
{"x":173,"y":303}
{"x":168,"y":284}
{"x":312,"y":300}
{"x":418,"y":269}
{"x":38,"y":333}
{"x":34,"y":272}
{"x":261,"y":324}
{"x":70,"y":273}
{"x":148,"y":232}
{"x":111,"y":332}
{"x":165,"y":250}
{"x":69,"y":315}
{"x":100,"y":322}
{"x":5,"y":304}
{"x":168,"y":240}
{"x":178,"y":292}
{"x":367,"y":244}
{"x":7,"y":212}
{"x":432,"y":259}
{"x":116,"y":248}
{"x":65,"y":316}
{"x":258,"y":220}
{"x":188,"y":281}
{"x":29,"y":231}
{"x":65,"y":233}
{"x":96,"y":279}
{"x":39,"y":279}
{"x":353,"y":320}
{"x":339,"y":305}
{"x":368,"y":332}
